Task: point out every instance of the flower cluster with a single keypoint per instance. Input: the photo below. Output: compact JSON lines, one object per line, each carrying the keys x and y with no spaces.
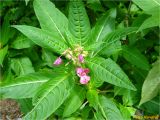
{"x":77,"y":56}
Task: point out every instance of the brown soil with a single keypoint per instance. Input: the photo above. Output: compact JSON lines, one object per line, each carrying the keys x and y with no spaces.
{"x":9,"y":108}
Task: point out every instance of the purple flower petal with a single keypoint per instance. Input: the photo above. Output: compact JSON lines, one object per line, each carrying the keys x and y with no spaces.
{"x":58,"y":61}
{"x":81,"y":58}
{"x":84,"y":79}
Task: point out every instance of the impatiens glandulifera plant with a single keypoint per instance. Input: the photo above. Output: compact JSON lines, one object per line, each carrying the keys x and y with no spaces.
{"x":81,"y":67}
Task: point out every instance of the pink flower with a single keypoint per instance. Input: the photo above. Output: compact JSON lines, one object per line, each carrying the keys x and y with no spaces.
{"x":82,"y":72}
{"x":84,"y":79}
{"x":79,"y":71}
{"x":81,"y":58}
{"x":58,"y":61}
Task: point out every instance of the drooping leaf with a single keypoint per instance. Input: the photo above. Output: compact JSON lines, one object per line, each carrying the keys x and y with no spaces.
{"x":24,"y":86}
{"x":74,"y":101}
{"x":3,"y":52}
{"x":42,"y":38}
{"x":107,"y":70}
{"x":109,"y":109}
{"x":151,"y":84}
{"x":79,"y":24}
{"x":49,"y":97}
{"x":22,"y":66}
{"x":21,"y":42}
{"x":133,"y":55}
{"x":50,"y":18}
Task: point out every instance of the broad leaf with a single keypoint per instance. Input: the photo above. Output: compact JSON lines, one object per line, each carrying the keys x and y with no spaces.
{"x":24,"y":86}
{"x":148,"y":5}
{"x":42,"y":38}
{"x":107,"y":70}
{"x":111,"y":49}
{"x":118,"y":34}
{"x":21,"y":42}
{"x":115,"y":36}
{"x":109,"y":109}
{"x":134,"y":56}
{"x":49,"y":97}
{"x":22,"y":66}
{"x":151,"y":84}
{"x":74,"y":101}
{"x":3,"y":52}
{"x":50,"y":18}
{"x":79,"y":24}
{"x":104,"y":26}
{"x":150,"y":22}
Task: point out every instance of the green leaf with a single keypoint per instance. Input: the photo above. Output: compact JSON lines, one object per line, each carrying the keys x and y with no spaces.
{"x":118,"y":34}
{"x":75,"y":100}
{"x":49,"y":97}
{"x":21,"y":66}
{"x":25,"y":105}
{"x":115,"y":36}
{"x":50,"y":18}
{"x":109,"y":109}
{"x":151,"y":84}
{"x":48,"y":57}
{"x":148,"y":5}
{"x":21,"y":42}
{"x":127,"y":112}
{"x":104,"y":26}
{"x":24,"y":86}
{"x":92,"y":97}
{"x":107,"y":70}
{"x":26,"y":1}
{"x":152,"y":106}
{"x":150,"y":22}
{"x":111,"y":49}
{"x":42,"y":38}
{"x":95,"y":5}
{"x":96,"y":82}
{"x":133,"y":55}
{"x":5,"y":30}
{"x":79,"y":24}
{"x":3,"y":53}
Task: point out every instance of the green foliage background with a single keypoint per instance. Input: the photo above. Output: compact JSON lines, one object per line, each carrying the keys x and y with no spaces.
{"x":122,"y":38}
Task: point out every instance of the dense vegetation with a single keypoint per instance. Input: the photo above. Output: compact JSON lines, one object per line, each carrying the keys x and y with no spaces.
{"x":94,"y":59}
